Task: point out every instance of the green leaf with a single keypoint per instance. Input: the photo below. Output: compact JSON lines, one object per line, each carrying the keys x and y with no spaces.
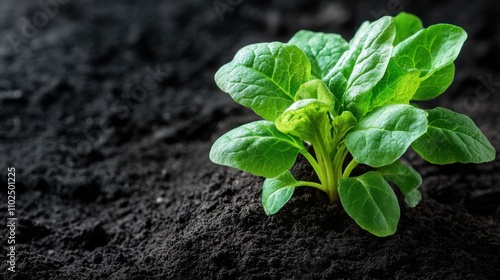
{"x":337,"y":85}
{"x":316,"y":89}
{"x":397,"y":86}
{"x":323,"y":50}
{"x":343,"y":123}
{"x":371,"y":62}
{"x":306,"y":119}
{"x":405,"y":177}
{"x":265,"y":77}
{"x":257,"y":147}
{"x":406,"y":25}
{"x":360,"y":34}
{"x":384,"y":134}
{"x":371,"y":203}
{"x":365,"y":63}
{"x":436,"y":83}
{"x":431,"y":49}
{"x":453,"y":137}
{"x":276,"y":192}
{"x":413,"y":198}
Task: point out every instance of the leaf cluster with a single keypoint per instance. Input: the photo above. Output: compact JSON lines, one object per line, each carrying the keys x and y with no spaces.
{"x":344,"y":103}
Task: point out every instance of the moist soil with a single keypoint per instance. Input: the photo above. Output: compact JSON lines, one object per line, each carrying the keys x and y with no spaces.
{"x":108,"y":112}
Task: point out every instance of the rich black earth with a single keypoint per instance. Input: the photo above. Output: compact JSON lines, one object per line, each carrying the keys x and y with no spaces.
{"x":108,"y":111}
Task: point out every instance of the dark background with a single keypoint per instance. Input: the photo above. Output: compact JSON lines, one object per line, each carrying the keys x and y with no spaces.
{"x":108,"y":111}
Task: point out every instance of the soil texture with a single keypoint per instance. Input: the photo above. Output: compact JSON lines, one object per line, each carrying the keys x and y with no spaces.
{"x":108,"y":112}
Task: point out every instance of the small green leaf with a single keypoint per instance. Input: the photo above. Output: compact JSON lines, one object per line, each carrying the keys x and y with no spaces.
{"x":371,"y":203}
{"x":337,"y":85}
{"x":257,"y":147}
{"x":276,"y":192}
{"x":405,"y":177}
{"x":436,"y":83}
{"x":265,"y":77}
{"x":413,"y":198}
{"x":397,"y":86}
{"x":431,"y":49}
{"x":360,"y":35}
{"x":384,"y":134}
{"x":406,"y":26}
{"x":323,"y":50}
{"x":306,"y":119}
{"x":316,"y":89}
{"x":343,"y":123}
{"x":453,"y":137}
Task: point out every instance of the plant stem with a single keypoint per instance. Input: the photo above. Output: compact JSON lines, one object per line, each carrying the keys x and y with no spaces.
{"x":338,"y":160}
{"x":327,"y":169}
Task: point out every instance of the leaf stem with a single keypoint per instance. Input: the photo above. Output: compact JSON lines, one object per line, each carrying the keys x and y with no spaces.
{"x":311,"y":184}
{"x":349,"y":168}
{"x":320,"y":159}
{"x":317,"y":168}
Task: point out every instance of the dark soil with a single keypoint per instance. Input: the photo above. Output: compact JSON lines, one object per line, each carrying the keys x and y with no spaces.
{"x":113,"y":179}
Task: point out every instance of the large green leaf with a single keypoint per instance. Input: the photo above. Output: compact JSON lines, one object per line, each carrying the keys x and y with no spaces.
{"x":265,"y":77}
{"x":406,"y":25}
{"x":365,"y":63}
{"x":453,"y":137}
{"x":336,"y":78}
{"x":371,"y":63}
{"x":436,"y":83}
{"x":323,"y":50}
{"x":316,"y":89}
{"x":431,"y":49}
{"x":276,"y":192}
{"x":257,"y":147}
{"x":371,"y":202}
{"x":406,"y":178}
{"x":384,"y":134}
{"x":306,"y":119}
{"x":397,"y":86}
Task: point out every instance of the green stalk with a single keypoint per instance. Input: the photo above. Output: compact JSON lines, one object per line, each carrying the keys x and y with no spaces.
{"x":337,"y":172}
{"x":311,"y":184}
{"x":349,"y":168}
{"x":317,"y":168}
{"x":330,"y":179}
{"x":321,"y":163}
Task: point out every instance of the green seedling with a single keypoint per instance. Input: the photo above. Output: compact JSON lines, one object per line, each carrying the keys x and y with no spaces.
{"x":341,"y":104}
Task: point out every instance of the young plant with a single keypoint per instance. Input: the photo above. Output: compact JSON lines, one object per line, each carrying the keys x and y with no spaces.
{"x":352,"y":103}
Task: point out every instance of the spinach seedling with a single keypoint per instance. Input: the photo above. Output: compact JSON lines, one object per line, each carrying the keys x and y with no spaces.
{"x":341,"y":104}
